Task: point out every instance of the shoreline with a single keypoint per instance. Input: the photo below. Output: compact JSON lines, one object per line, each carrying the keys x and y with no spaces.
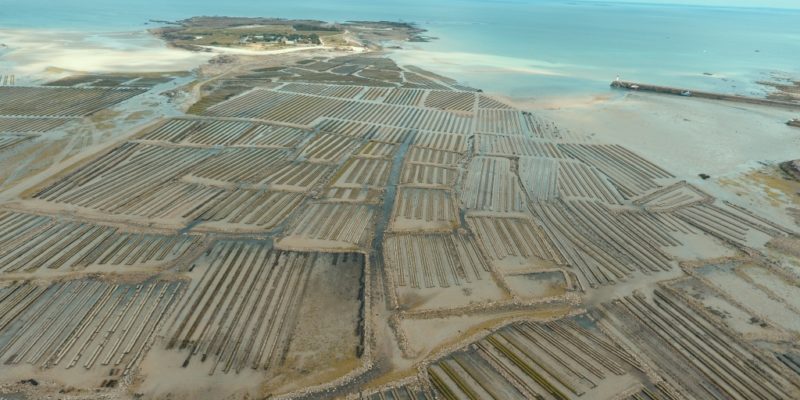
{"x":578,"y":106}
{"x":49,"y":54}
{"x":127,"y":50}
{"x":158,"y":53}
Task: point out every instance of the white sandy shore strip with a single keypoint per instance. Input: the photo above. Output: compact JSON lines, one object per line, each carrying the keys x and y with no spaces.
{"x":36,"y":53}
{"x":45,"y":54}
{"x":253,"y":52}
{"x":457,"y":63}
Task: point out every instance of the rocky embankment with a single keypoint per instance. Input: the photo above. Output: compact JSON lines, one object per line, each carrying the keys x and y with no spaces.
{"x":792,"y":168}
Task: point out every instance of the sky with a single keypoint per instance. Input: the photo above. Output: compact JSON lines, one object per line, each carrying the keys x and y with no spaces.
{"x":738,"y":3}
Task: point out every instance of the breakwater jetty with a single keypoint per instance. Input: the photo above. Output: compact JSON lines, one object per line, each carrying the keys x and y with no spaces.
{"x":643,"y":87}
{"x":8,"y":80}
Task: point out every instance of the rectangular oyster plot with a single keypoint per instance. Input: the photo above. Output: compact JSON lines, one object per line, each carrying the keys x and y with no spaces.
{"x":251,"y":307}
{"x":102,"y":329}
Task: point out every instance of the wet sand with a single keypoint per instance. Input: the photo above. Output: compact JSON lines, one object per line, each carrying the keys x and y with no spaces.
{"x":47,"y":54}
{"x":688,"y":137}
{"x":685,"y":136}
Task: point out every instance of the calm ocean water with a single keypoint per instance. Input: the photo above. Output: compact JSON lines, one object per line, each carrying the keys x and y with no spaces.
{"x":521,"y":48}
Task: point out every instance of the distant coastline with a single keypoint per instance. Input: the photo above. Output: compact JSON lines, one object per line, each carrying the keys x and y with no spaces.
{"x":255,"y":34}
{"x":513,"y":51}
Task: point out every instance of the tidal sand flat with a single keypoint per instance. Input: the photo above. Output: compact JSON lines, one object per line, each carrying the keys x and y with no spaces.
{"x":32,"y":53}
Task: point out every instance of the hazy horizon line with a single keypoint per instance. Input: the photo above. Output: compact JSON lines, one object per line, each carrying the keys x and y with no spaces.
{"x":690,"y":3}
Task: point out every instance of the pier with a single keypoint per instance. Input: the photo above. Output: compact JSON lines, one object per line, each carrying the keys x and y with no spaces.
{"x":642,"y":87}
{"x":8,"y":80}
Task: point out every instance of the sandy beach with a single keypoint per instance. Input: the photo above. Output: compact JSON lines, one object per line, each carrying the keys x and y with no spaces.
{"x":685,"y":136}
{"x":251,"y":52}
{"x":39,"y":55}
{"x":463,"y":63}
{"x":727,"y":141}
{"x":45,"y":54}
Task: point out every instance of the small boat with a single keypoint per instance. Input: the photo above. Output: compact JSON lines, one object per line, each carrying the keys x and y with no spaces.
{"x":686,"y":93}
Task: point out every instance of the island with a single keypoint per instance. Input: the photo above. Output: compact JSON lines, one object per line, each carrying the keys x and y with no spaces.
{"x":258,"y":34}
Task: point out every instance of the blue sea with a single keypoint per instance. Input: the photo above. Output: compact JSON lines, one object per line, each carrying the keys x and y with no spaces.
{"x":520,"y":48}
